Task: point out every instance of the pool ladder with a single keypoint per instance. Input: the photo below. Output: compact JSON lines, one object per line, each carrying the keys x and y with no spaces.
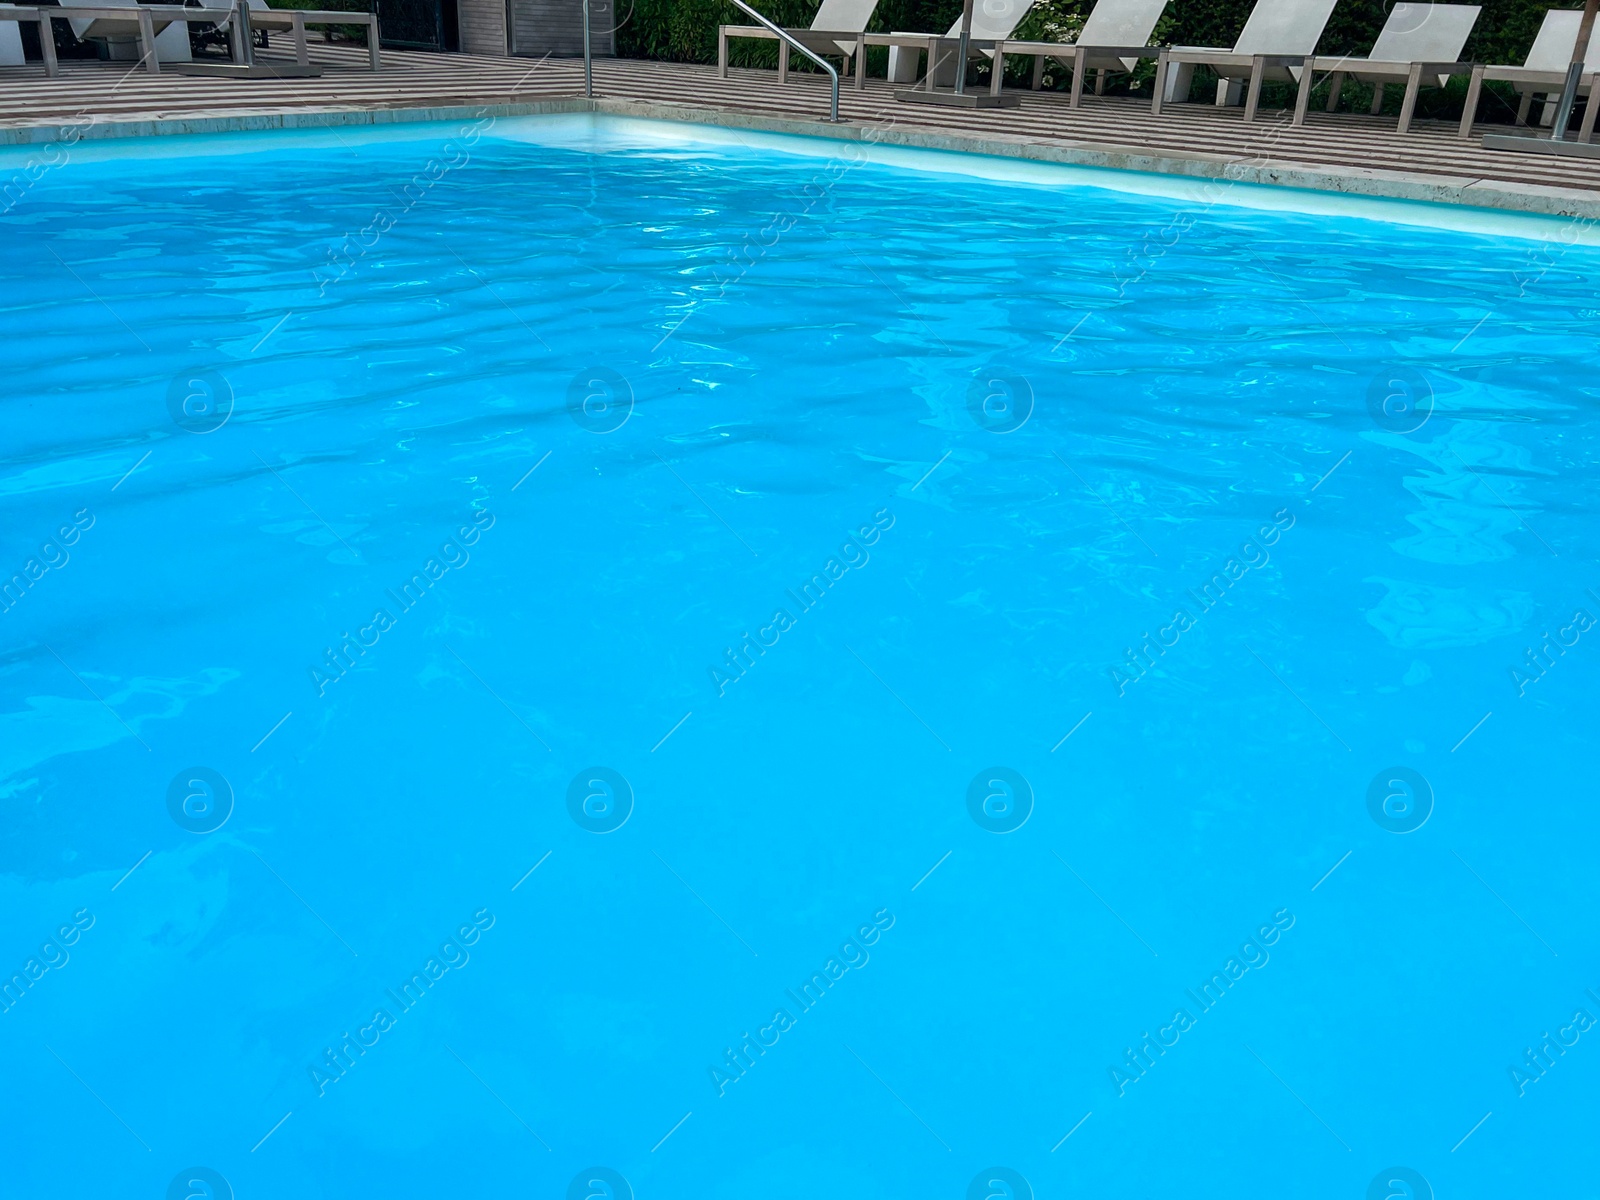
{"x":781,"y":34}
{"x":785,"y":36}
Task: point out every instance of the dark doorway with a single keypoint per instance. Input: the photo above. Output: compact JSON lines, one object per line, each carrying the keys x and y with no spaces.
{"x":451,"y":25}
{"x":412,"y":24}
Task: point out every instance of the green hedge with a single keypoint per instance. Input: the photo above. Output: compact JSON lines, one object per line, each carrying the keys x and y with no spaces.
{"x":686,"y":31}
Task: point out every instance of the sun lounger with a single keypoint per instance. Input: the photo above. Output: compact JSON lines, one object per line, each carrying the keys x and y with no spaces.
{"x":1114,"y":38}
{"x":1419,"y":43}
{"x":837,"y":29}
{"x":111,"y":20}
{"x":993,"y":21}
{"x":148,"y":24}
{"x":1544,"y":73}
{"x":125,"y":33}
{"x":1274,"y":45}
{"x":11,"y":18}
{"x":296,"y":20}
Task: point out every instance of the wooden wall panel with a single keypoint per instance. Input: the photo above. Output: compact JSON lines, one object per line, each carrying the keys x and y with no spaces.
{"x":555,"y":27}
{"x":483,"y":27}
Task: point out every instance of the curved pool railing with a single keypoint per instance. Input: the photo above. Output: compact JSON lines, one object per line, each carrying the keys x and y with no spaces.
{"x":785,"y":36}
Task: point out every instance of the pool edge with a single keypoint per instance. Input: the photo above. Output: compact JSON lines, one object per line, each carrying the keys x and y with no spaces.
{"x":1458,"y":191}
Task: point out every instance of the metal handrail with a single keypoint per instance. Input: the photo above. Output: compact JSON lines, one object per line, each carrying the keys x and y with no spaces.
{"x":588,"y":56}
{"x":784,"y":35}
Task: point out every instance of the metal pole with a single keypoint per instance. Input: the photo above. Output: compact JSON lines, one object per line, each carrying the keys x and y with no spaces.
{"x":961,"y":55}
{"x":246,"y":35}
{"x":1569,"y":92}
{"x":588,"y":57}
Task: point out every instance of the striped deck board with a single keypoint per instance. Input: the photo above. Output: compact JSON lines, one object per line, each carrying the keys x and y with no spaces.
{"x":1356,"y":143}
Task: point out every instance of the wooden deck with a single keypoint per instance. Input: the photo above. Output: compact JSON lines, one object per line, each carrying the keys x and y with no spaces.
{"x":1342,"y":152}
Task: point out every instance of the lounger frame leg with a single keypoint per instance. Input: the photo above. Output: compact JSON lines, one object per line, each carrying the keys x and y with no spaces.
{"x":722,"y":52}
{"x":1100,"y":81}
{"x":861,"y":64}
{"x":1469,"y":111}
{"x":147,"y":41}
{"x":783,"y":63}
{"x":47,"y":46}
{"x":1038,"y":71}
{"x":1162,"y":66}
{"x":1586,"y":130}
{"x":1408,"y":106}
{"x":1253,"y":97}
{"x":1523,"y":106}
{"x":374,"y":43}
{"x":1079,"y":57}
{"x":297,"y":27}
{"x":1335,"y":89}
{"x":997,"y":73}
{"x":1302,"y":99}
{"x":1377,"y":99}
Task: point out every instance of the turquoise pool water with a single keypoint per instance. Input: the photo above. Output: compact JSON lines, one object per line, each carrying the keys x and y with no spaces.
{"x":567,"y":658}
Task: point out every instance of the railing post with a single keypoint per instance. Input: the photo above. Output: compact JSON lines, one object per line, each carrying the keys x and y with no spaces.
{"x":588,"y":54}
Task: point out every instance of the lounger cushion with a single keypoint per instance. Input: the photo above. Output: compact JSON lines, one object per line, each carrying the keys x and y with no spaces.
{"x":992,"y":19}
{"x":842,"y":16}
{"x":1425,"y":33}
{"x":1121,"y":23}
{"x":1284,"y":27}
{"x":10,"y":45}
{"x":1552,"y":49}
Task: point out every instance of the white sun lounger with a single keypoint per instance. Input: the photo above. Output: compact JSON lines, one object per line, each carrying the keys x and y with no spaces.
{"x":132,"y":33}
{"x":837,"y":29}
{"x":1419,"y":43}
{"x":294,"y":22}
{"x":1274,"y":45}
{"x":1544,"y":73}
{"x":148,"y":24}
{"x":1115,"y":37}
{"x":993,"y":21}
{"x":123,"y":34}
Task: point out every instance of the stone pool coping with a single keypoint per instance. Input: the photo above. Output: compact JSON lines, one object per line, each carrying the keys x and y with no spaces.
{"x":1584,"y":205}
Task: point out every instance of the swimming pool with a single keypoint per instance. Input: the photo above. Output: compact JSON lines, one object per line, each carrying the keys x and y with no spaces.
{"x":569,"y":657}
